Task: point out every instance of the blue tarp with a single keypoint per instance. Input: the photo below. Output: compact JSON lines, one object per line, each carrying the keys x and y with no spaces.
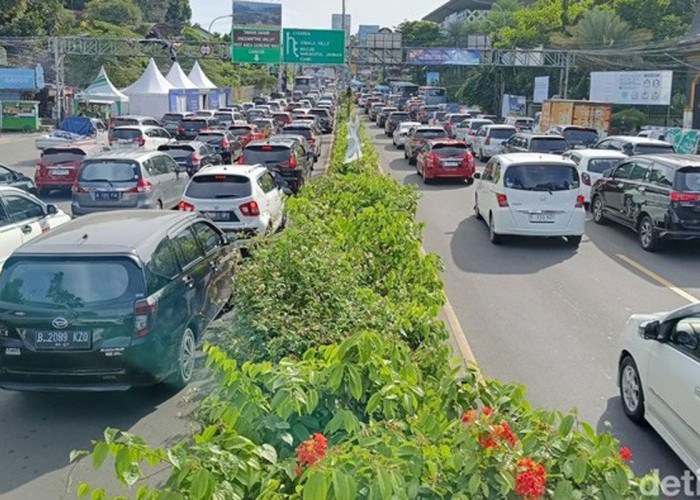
{"x":79,"y":125}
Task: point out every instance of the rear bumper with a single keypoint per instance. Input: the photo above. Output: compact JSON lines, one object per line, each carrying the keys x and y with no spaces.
{"x":449,"y":173}
{"x":77,"y":210}
{"x":53,"y":183}
{"x":506,"y":225}
{"x":103,"y":382}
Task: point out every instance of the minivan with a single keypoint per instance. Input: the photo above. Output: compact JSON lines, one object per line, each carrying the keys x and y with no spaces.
{"x":128,"y":180}
{"x":285,"y":158}
{"x":535,"y":143}
{"x":112,"y":301}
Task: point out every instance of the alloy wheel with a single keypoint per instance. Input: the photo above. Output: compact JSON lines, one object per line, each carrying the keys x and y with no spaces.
{"x":630,"y":388}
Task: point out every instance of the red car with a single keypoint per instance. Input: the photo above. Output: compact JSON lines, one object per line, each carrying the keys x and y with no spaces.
{"x":59,"y":165}
{"x":445,"y":158}
{"x":282,"y":119}
{"x":246,"y":133}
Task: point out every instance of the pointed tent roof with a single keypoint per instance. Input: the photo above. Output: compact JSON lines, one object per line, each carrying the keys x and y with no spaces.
{"x":102,"y":87}
{"x":152,"y":82}
{"x":179,"y":79}
{"x":199,"y":78}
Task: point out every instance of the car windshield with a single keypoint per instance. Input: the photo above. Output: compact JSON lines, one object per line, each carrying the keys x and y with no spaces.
{"x":109,"y":170}
{"x":600,"y":165}
{"x":541,"y":178}
{"x":70,"y":283}
{"x":688,"y":179}
{"x":177,"y":152}
{"x":580,"y":136}
{"x":431,"y":134}
{"x":502,"y":133}
{"x":650,"y":149}
{"x":549,"y":145}
{"x":57,"y":156}
{"x":266,"y":154}
{"x":126,"y":134}
{"x":214,"y":187}
{"x":193,"y":124}
{"x":449,"y":150}
{"x":224,"y":117}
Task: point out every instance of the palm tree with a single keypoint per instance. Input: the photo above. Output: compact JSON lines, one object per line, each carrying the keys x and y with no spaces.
{"x":601,"y":29}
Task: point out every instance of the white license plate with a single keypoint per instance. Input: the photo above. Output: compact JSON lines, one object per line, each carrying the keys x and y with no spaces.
{"x":451,"y":164}
{"x":60,"y":171}
{"x":542,"y":218}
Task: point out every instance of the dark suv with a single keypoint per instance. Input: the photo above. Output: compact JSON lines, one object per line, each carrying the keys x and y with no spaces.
{"x":191,"y":156}
{"x":227,"y":145}
{"x":284,"y":157}
{"x":190,"y":127}
{"x":393,"y":120}
{"x":534,"y":143}
{"x":125,"y":307}
{"x":657,"y":196}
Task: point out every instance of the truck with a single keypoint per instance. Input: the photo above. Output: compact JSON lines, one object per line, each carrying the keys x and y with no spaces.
{"x":589,"y":114}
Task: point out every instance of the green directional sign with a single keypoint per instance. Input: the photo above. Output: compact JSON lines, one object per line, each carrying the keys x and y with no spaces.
{"x":261,"y":46}
{"x":313,"y":46}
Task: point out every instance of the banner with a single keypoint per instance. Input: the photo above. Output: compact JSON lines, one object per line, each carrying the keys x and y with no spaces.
{"x":513,"y":105}
{"x":541,"y":93}
{"x":432,"y":78}
{"x":443,"y":57}
{"x":632,"y":87}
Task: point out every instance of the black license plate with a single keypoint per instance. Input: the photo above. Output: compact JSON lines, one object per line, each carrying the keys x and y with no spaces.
{"x":108,"y":195}
{"x":221,"y":216}
{"x":62,"y":340}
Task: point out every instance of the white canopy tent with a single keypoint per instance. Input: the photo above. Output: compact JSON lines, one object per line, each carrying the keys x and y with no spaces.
{"x":150,"y":94}
{"x":102,"y":89}
{"x":206,"y":87}
{"x":180,"y":81}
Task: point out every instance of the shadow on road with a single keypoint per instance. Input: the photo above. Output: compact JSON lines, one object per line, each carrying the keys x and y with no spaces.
{"x":516,"y":255}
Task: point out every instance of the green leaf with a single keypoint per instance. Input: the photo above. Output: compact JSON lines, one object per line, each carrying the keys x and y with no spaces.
{"x":142,"y":492}
{"x":474,"y":484}
{"x":564,"y":490}
{"x":335,"y":376}
{"x":344,"y":487}
{"x":566,"y":425}
{"x":311,"y":400}
{"x":268,"y":453}
{"x":374,"y":401}
{"x":316,"y":487}
{"x":77,"y":455}
{"x":202,"y":485}
{"x":99,"y":454}
{"x":579,"y":469}
{"x":355,"y":382}
{"x":384,"y":482}
{"x":83,"y":490}
{"x":98,"y":494}
{"x":208,"y":433}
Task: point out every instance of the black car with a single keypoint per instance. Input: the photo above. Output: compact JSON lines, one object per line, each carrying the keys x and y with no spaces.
{"x":191,"y":156}
{"x":382,"y":117}
{"x":657,"y":196}
{"x":325,"y":120}
{"x":190,"y":127}
{"x":9,"y":177}
{"x":577,"y":137}
{"x":393,"y":120}
{"x":535,"y":143}
{"x":227,"y":145}
{"x":111,"y":301}
{"x":171,"y":122}
{"x":286,"y":158}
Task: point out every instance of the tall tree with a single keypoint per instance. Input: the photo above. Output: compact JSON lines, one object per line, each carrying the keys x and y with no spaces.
{"x":153,"y":10}
{"x":30,"y":17}
{"x":179,"y":13}
{"x":114,"y":11}
{"x":420,"y":34}
{"x":601,"y":29}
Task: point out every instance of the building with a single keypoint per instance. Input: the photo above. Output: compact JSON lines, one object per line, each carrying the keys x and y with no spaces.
{"x":366,"y":30}
{"x":458,"y":11}
{"x":337,"y":24}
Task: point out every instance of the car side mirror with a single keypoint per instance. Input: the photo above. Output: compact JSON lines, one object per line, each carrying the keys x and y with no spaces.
{"x":51,"y":209}
{"x":287,"y":191}
{"x":650,"y":330}
{"x":608,"y":173}
{"x":477,"y":175}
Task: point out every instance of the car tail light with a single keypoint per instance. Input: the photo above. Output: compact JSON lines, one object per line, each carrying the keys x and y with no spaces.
{"x":144,"y":310}
{"x":77,"y":188}
{"x":468,"y":160}
{"x":433,"y":161}
{"x":180,"y":130}
{"x":250,"y":209}
{"x":487,"y":141}
{"x":580,"y":201}
{"x":142,"y":186}
{"x":195,"y":159}
{"x":312,"y":138}
{"x":586,"y":179}
{"x":676,"y":196}
{"x":183,"y":206}
{"x":241,"y":160}
{"x":225,"y":144}
{"x":110,"y":139}
{"x":292,"y":163}
{"x":141,"y":141}
{"x":502,"y":200}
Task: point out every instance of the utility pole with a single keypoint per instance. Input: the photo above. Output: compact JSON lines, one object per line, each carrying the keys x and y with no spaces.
{"x":60,"y":72}
{"x":566,"y":76}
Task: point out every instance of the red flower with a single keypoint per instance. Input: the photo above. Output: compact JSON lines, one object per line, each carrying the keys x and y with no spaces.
{"x":487,"y":411}
{"x":312,"y":450}
{"x":531,"y":481}
{"x":488,"y":442}
{"x":625,"y":454}
{"x":469,"y":416}
{"x":297,"y":471}
{"x":505,"y":433}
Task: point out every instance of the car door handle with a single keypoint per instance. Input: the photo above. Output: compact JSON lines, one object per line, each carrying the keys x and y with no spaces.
{"x":27,"y":229}
{"x":188,"y":281}
{"x":642,"y":189}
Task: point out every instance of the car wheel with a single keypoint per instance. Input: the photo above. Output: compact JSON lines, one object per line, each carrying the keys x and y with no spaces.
{"x":574,"y":241}
{"x":647,"y":236}
{"x":412,"y":160}
{"x":159,"y":205}
{"x":597,"y":209}
{"x":631,"y":392}
{"x":482,"y":158}
{"x":185,"y":359}
{"x":477,"y":214}
{"x":495,"y":238}
{"x":405,"y":153}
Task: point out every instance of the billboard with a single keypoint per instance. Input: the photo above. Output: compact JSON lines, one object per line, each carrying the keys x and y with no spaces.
{"x":257,"y":15}
{"x":513,"y":105}
{"x":366,"y":30}
{"x":337,"y":23}
{"x":443,"y":57}
{"x":432,"y":78}
{"x":256,"y":32}
{"x":541,"y":93}
{"x":632,"y":87}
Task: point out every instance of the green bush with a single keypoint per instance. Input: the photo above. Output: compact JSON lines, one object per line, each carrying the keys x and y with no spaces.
{"x":334,"y":380}
{"x":628,"y":120}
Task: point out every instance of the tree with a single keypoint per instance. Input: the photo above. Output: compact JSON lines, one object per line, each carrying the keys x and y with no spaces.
{"x":114,"y":11}
{"x":153,"y":10}
{"x":665,"y":18}
{"x":179,"y":13}
{"x":31,"y":17}
{"x":420,"y":34}
{"x":601,"y":29}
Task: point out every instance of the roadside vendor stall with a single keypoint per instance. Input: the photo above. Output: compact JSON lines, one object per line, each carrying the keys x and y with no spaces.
{"x":100,"y":94}
{"x":19,"y":116}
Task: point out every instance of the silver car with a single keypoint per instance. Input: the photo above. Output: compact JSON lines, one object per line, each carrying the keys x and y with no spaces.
{"x":128,"y":180}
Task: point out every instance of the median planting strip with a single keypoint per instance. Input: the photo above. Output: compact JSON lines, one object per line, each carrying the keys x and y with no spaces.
{"x":334,"y":379}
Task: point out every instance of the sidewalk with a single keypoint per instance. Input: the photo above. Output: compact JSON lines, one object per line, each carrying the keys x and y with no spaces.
{"x":9,"y":137}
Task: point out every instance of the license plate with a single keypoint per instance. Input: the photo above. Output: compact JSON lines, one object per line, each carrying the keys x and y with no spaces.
{"x":542,"y":218}
{"x":219,"y":216}
{"x":450,"y":164}
{"x":60,"y":171}
{"x":61,"y":341}
{"x":108,"y":195}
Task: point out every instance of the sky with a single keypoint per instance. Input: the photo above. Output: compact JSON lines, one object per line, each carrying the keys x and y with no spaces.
{"x":317,"y":13}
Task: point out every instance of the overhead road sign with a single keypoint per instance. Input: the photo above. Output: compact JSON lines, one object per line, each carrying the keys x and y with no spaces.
{"x":313,"y":47}
{"x":443,"y":57}
{"x":256,"y":32}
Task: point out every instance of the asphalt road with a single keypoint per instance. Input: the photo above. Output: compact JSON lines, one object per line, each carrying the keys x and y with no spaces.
{"x":537,"y":312}
{"x":38,"y":431}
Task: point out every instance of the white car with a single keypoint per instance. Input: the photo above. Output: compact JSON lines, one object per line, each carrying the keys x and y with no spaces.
{"x":239,"y":199}
{"x":659,"y":377}
{"x":147,"y":137}
{"x":466,"y":131}
{"x":24,"y":217}
{"x":528,"y":194}
{"x":490,"y":139}
{"x":401,"y":133}
{"x":591,"y":164}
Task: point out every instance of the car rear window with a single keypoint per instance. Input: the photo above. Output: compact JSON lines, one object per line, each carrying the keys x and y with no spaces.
{"x":502,"y":133}
{"x":121,"y":122}
{"x":541,"y":178}
{"x":170,"y":117}
{"x":577,"y":136}
{"x":546,"y":145}
{"x":449,"y":150}
{"x":56,"y":156}
{"x":319,"y":112}
{"x":110,"y":170}
{"x":300,"y":131}
{"x":431,"y":134}
{"x":239,"y":131}
{"x":215,"y":139}
{"x":600,"y":165}
{"x":194,"y":124}
{"x":400,"y":116}
{"x":177,"y":152}
{"x":212,"y":187}
{"x":71,"y":283}
{"x":224,"y":117}
{"x":688,"y":179}
{"x":266,"y":154}
{"x":459,"y":118}
{"x":128,"y":134}
{"x":476,"y":125}
{"x":650,"y":149}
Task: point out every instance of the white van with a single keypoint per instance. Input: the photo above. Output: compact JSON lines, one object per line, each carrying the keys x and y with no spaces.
{"x":530,"y":194}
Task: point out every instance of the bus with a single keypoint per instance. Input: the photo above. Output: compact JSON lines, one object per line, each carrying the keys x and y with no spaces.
{"x":305,"y":83}
{"x":406,"y":89}
{"x":433,"y":95}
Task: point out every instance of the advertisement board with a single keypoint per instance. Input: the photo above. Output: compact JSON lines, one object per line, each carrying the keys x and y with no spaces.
{"x":443,"y":57}
{"x":256,"y":32}
{"x":513,"y":105}
{"x":541,"y":93}
{"x":632,"y":87}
